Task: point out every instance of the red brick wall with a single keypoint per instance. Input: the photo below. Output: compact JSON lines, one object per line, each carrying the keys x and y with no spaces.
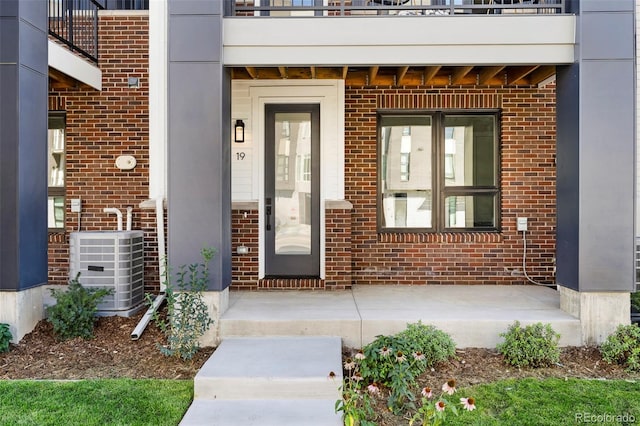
{"x":357,"y":254}
{"x":245,"y":270}
{"x":102,"y":125}
{"x":527,"y":189}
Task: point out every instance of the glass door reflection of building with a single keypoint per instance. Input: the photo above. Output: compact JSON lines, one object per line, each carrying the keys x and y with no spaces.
{"x":292,"y":186}
{"x":291,"y":190}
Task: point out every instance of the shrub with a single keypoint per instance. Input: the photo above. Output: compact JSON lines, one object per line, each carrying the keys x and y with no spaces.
{"x":623,"y":347}
{"x":435,"y":345}
{"x":187,"y":313}
{"x":535,"y":345}
{"x":5,"y":337}
{"x":73,"y":315}
{"x":635,"y":300}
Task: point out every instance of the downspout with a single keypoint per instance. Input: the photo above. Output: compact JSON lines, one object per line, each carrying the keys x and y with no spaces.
{"x":146,"y":318}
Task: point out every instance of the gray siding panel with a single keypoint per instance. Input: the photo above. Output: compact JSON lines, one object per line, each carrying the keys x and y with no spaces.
{"x":199,"y":146}
{"x":607,"y":176}
{"x":32,"y":172}
{"x":195,"y":7}
{"x":567,"y":174}
{"x":9,"y":8}
{"x":8,"y":177}
{"x":8,"y":40}
{"x":596,"y":152}
{"x":23,"y":145}
{"x":32,"y":50}
{"x":609,"y":35}
{"x":607,"y":5}
{"x":195,"y":38}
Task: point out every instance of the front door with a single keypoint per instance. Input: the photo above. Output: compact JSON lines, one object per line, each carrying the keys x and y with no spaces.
{"x":292,"y":190}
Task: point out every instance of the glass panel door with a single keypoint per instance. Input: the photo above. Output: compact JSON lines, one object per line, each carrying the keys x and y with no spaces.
{"x":292,"y":216}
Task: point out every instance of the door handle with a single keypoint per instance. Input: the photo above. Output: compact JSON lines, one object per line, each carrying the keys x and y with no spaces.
{"x":268,"y":213}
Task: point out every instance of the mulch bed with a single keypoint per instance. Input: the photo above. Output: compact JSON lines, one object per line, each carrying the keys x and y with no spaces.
{"x":111,"y":353}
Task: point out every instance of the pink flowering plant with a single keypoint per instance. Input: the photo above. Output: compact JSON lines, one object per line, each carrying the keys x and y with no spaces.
{"x":355,"y":404}
{"x":396,"y":361}
{"x":434,"y":411}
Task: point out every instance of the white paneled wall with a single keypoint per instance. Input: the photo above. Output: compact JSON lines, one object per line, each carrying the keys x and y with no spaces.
{"x":247,"y":103}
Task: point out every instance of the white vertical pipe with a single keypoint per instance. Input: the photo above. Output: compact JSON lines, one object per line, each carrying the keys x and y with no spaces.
{"x":118,"y":214}
{"x":129,"y":217}
{"x":161,"y":247}
{"x":158,"y":24}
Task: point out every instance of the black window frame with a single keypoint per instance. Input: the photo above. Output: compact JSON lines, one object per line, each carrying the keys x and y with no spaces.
{"x":58,"y":191}
{"x":440,"y":191}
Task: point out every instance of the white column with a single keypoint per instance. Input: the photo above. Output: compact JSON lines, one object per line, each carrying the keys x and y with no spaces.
{"x":157,"y":98}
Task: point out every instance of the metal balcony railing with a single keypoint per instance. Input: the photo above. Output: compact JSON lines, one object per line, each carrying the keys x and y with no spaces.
{"x":127,"y":4}
{"x":75,"y":23}
{"x":390,"y":7}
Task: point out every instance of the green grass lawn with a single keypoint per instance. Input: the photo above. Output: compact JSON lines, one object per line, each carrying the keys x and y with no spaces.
{"x":163,"y":402}
{"x":553,"y":402}
{"x":94,"y":402}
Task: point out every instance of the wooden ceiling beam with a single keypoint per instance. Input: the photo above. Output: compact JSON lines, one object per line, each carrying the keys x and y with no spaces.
{"x":460,"y":73}
{"x":373,"y":73}
{"x":518,"y":73}
{"x":542,"y":73}
{"x":283,"y":72}
{"x":253,"y":73}
{"x":313,"y":72}
{"x":345,"y":71}
{"x":430,"y":72}
{"x":401,"y":72}
{"x":488,"y":73}
{"x":60,"y":80}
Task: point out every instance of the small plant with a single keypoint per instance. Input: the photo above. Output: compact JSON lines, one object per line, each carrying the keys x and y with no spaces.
{"x":5,"y":337}
{"x":356,"y":402}
{"x":73,"y":315}
{"x":535,"y":345}
{"x":623,"y":347}
{"x":187,"y":313}
{"x":433,"y":411}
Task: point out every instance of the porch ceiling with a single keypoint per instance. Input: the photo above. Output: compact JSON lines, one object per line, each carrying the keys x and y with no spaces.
{"x":439,"y":75}
{"x":59,"y":80}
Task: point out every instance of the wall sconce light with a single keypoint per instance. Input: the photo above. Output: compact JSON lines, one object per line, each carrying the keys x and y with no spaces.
{"x":239,"y":131}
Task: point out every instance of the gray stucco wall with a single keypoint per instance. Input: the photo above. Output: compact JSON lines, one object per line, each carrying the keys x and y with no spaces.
{"x":23,"y":144}
{"x":199,"y":159}
{"x":596,"y":151}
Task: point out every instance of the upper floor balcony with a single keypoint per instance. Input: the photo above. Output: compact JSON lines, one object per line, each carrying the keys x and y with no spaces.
{"x":74,"y":48}
{"x":73,"y":43}
{"x":74,"y":23}
{"x":260,"y":36}
{"x":391,"y":7}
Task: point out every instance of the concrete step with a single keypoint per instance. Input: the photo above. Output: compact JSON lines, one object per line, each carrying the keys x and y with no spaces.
{"x":474,"y":316}
{"x":273,"y":368}
{"x":262,"y":412}
{"x":277,"y":381}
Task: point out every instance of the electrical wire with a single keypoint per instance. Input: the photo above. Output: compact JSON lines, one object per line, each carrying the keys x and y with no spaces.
{"x":524,"y":263}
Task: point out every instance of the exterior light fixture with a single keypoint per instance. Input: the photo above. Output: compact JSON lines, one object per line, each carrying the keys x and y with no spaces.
{"x":239,"y":131}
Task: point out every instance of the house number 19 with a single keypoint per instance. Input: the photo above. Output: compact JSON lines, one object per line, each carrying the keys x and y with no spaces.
{"x":240,"y":155}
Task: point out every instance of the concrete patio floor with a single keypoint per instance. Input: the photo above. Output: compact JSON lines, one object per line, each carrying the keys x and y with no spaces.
{"x":473,"y":315}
